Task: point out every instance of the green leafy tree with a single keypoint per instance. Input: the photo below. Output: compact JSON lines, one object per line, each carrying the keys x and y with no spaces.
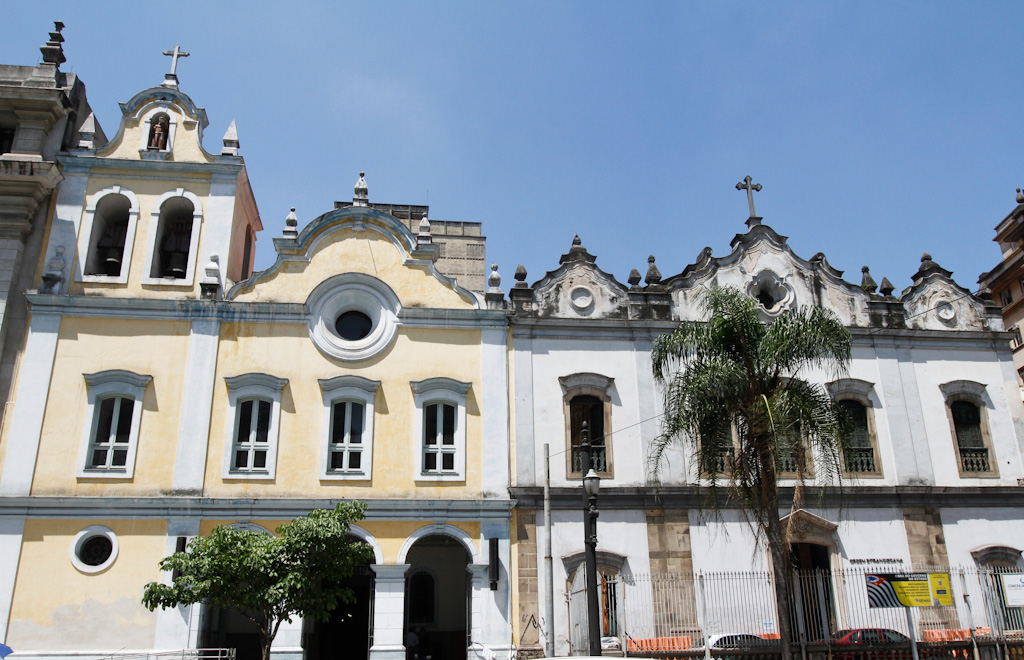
{"x":733,"y":391}
{"x":266,"y":578}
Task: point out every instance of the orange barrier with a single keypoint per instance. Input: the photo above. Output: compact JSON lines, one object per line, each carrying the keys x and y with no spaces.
{"x":679,"y":643}
{"x":954,"y":635}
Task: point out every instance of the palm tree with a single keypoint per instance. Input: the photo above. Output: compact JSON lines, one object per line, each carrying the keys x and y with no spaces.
{"x":732,"y":390}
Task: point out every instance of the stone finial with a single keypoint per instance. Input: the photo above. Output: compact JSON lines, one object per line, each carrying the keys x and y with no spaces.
{"x":52,"y":50}
{"x":291,"y":225}
{"x":1020,"y":196}
{"x":867,"y":282}
{"x":887,"y":288}
{"x":494,"y":280}
{"x":576,"y":242}
{"x":653,"y":274}
{"x":928,"y":266}
{"x":87,"y":132}
{"x":634,"y":278}
{"x":212,"y":267}
{"x":362,"y":193}
{"x":520,"y":276}
{"x":424,"y":238}
{"x":230,"y":141}
{"x":210,"y":284}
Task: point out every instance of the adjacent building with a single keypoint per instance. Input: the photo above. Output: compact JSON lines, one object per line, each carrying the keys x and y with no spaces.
{"x":1004,"y":284}
{"x":933,"y":477}
{"x":43,"y":112}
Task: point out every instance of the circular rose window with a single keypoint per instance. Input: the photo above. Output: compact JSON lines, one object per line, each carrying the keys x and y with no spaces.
{"x":352,"y":316}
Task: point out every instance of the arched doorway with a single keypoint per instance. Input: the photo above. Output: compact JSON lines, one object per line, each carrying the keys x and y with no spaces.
{"x":348,"y":633}
{"x":813,"y":575}
{"x":437,"y":597}
{"x":225,"y":629}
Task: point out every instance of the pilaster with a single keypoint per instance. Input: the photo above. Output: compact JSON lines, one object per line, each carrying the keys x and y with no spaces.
{"x":67,"y":218}
{"x":29,"y":406}
{"x":196,"y":405}
{"x":172,"y":624}
{"x":388,"y":612}
{"x":494,"y":399}
{"x":12,"y":531}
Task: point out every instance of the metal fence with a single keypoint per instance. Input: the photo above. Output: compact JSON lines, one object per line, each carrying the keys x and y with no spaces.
{"x":183,"y":654}
{"x":650,"y":613}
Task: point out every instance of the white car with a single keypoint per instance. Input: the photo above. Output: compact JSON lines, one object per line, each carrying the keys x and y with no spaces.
{"x":736,"y":641}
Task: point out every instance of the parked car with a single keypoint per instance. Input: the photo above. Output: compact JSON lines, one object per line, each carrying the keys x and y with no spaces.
{"x":735,"y":641}
{"x":874,"y":639}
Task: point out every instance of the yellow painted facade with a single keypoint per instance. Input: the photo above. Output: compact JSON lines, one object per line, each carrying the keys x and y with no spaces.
{"x":46,"y":577}
{"x":86,"y":346}
{"x":125,"y":425}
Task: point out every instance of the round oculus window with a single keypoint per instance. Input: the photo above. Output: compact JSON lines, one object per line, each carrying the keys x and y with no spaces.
{"x":353,"y":325}
{"x":94,"y":549}
{"x":352,"y":316}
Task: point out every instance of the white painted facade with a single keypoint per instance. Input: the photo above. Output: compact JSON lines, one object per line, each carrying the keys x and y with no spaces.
{"x":911,"y":356}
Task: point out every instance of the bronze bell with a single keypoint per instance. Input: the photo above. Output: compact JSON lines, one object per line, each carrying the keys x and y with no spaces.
{"x":177,"y":264}
{"x":112,"y":261}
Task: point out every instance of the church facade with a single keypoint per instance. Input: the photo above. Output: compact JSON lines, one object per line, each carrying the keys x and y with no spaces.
{"x":168,"y":389}
{"x":933,"y":478}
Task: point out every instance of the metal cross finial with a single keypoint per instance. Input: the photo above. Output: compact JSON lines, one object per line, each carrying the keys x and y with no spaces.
{"x":174,"y":55}
{"x":746,"y":184}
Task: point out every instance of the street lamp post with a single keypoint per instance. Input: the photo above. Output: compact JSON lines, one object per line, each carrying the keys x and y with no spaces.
{"x":591,"y":486}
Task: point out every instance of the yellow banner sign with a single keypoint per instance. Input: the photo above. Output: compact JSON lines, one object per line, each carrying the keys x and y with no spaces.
{"x":909,"y":590}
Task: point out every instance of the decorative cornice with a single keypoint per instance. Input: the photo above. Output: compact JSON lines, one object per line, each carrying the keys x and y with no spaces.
{"x":246,"y":508}
{"x":78,"y":163}
{"x":255,"y":379}
{"x":695,"y":497}
{"x":348,"y":380}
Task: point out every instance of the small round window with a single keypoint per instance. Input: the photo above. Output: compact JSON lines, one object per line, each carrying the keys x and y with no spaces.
{"x":353,"y":325}
{"x":94,"y":549}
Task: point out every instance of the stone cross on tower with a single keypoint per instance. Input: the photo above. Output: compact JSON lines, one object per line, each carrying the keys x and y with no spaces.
{"x":171,"y":79}
{"x":746,"y":184}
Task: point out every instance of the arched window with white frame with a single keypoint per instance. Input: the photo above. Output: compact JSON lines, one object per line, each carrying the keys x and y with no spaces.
{"x":347,"y":448}
{"x":254,"y":418}
{"x":110,"y":438}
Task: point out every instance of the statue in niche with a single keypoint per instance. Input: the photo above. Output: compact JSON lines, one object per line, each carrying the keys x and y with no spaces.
{"x":158,"y":132}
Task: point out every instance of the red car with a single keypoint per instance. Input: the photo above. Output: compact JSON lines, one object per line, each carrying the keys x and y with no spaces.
{"x":874,"y":638}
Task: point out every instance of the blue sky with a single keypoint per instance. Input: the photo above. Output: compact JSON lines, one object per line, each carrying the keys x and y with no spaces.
{"x":878,"y":130}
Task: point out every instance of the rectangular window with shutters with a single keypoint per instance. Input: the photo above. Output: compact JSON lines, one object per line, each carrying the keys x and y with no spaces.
{"x":439,"y":439}
{"x":440,"y":429}
{"x":252,"y":437}
{"x":254,"y":400}
{"x":111,"y":441}
{"x":346,"y":444}
{"x":347,"y":450}
{"x":110,"y":435}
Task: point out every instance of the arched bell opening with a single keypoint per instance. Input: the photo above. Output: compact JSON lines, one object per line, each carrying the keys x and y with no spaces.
{"x":109,"y":230}
{"x":174,"y":238}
